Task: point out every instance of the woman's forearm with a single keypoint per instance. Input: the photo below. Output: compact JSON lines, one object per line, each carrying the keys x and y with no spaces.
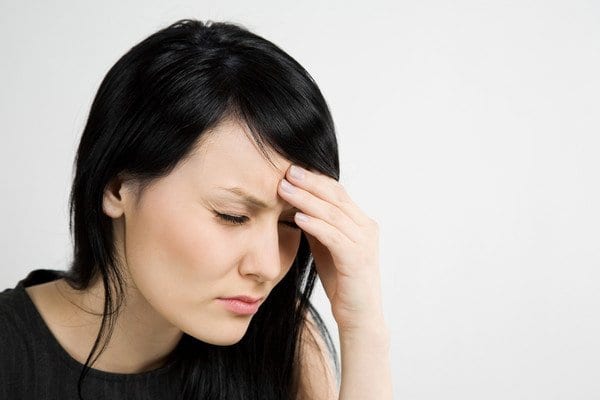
{"x":365,"y":357}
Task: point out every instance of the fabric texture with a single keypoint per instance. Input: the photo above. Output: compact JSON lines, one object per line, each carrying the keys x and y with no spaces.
{"x":33,"y":364}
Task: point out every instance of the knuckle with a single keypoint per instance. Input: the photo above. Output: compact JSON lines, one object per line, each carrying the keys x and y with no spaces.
{"x":333,"y":214}
{"x":340,"y":193}
{"x":336,"y":238}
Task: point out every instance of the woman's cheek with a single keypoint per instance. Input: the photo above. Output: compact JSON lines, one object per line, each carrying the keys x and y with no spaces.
{"x":198,"y":245}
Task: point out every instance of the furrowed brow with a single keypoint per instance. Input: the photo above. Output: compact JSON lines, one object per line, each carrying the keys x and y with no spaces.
{"x":249,"y":199}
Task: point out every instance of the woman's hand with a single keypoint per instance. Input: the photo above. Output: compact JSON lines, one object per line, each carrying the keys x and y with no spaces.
{"x":345,"y":246}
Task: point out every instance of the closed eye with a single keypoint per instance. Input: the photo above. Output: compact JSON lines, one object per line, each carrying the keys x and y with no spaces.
{"x":240,"y":220}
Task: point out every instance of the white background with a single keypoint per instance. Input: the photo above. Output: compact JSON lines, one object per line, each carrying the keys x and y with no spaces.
{"x":468,"y":129}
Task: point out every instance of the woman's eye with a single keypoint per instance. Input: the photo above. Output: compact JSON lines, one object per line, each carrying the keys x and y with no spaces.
{"x":239,"y":220}
{"x":232,"y":218}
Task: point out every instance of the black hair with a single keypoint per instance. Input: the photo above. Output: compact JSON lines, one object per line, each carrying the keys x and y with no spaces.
{"x":151,"y":109}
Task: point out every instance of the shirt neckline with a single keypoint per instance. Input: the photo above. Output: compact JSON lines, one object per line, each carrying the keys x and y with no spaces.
{"x":47,"y":275}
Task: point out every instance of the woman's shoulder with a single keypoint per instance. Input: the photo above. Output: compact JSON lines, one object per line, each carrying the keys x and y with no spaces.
{"x":317,"y":374}
{"x":17,"y":317}
{"x":11,"y":334}
{"x":11,"y":311}
{"x":13,"y":317}
{"x":14,"y":351}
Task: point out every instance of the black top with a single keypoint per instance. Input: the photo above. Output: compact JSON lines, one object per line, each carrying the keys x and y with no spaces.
{"x":33,"y":364}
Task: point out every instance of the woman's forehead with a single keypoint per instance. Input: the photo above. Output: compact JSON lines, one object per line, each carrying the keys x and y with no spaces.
{"x":229,"y":147}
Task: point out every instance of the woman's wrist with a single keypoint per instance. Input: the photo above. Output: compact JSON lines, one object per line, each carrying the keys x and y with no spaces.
{"x":365,"y":358}
{"x":372,"y":331}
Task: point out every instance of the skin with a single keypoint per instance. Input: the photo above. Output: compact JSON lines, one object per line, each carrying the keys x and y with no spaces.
{"x":180,"y":256}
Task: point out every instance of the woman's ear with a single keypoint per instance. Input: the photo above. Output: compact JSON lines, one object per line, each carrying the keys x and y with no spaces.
{"x":115,"y":196}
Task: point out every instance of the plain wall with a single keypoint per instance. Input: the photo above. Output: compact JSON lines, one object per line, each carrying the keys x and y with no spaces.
{"x":468,"y":129}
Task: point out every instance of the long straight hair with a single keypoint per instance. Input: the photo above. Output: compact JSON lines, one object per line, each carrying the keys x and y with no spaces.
{"x":152,"y":107}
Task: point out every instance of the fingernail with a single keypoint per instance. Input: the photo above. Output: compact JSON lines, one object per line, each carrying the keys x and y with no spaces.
{"x":302,"y":217}
{"x":296,"y":172}
{"x":286,"y":186}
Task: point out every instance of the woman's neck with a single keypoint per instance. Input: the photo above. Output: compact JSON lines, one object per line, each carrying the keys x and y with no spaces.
{"x":141,"y":340}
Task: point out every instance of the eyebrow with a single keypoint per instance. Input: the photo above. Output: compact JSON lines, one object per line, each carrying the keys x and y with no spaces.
{"x":250,"y":199}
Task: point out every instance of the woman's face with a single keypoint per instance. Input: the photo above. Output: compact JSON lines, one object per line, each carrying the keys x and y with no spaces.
{"x":181,"y":256}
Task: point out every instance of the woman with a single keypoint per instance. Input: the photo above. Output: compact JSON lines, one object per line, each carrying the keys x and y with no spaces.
{"x":183,"y":198}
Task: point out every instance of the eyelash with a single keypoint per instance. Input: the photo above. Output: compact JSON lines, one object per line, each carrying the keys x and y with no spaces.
{"x":241,"y":220}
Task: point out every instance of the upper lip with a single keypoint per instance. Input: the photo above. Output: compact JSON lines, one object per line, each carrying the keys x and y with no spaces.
{"x":247,"y":299}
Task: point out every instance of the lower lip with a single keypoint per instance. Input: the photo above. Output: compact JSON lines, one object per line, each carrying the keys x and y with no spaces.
{"x":240,"y":307}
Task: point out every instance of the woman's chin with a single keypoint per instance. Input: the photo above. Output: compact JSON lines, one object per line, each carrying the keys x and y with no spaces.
{"x":227,"y":333}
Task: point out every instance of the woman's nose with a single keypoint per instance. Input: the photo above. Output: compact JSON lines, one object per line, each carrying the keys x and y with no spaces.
{"x":263,"y":257}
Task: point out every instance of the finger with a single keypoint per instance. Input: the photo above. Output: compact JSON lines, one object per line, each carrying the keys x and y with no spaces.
{"x":320,"y":209}
{"x":329,"y":190}
{"x":327,"y":235}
